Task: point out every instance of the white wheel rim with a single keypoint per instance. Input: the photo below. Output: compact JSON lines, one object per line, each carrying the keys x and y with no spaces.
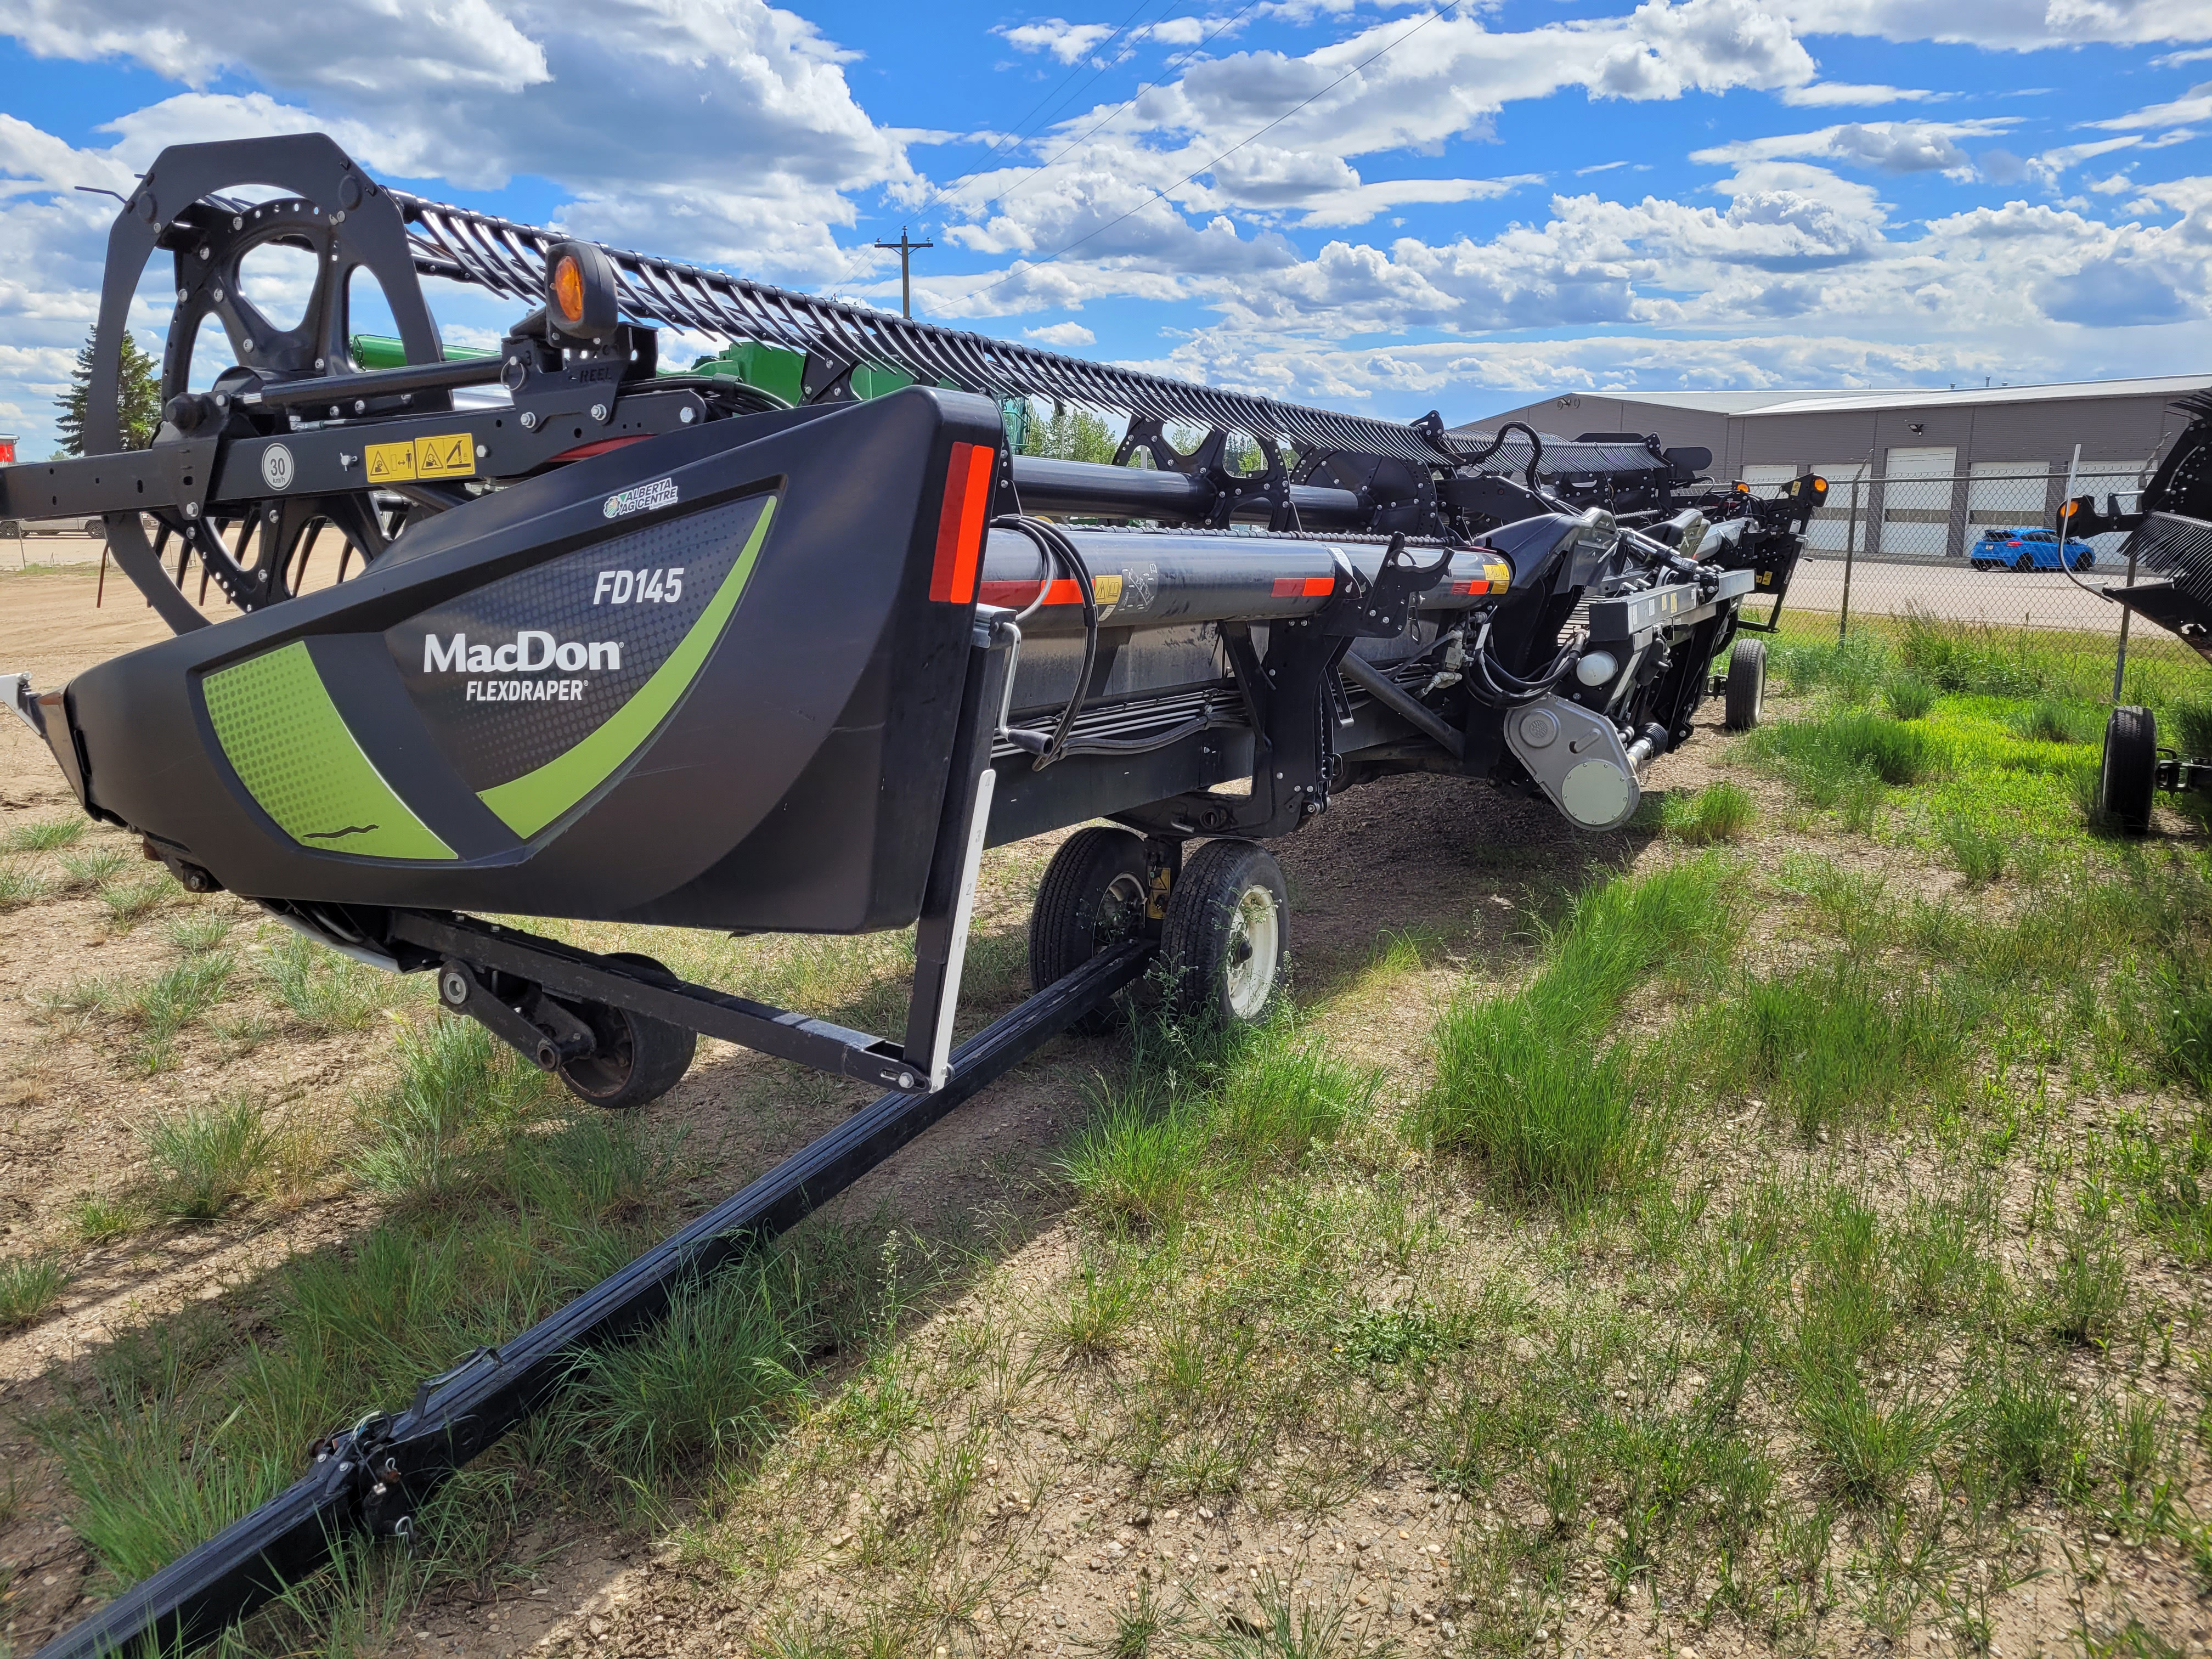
{"x":1256,"y":944}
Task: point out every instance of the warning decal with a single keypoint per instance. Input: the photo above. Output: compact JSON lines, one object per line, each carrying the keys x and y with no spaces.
{"x":448,"y":455}
{"x":452,"y":455}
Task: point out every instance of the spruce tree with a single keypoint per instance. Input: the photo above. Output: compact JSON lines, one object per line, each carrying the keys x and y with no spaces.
{"x":140,"y":382}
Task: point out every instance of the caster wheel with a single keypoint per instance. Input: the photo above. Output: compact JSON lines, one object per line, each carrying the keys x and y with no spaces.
{"x":640,"y":1058}
{"x":1227,"y":935}
{"x":2128,"y":778}
{"x":1745,"y":696}
{"x":1093,"y":895}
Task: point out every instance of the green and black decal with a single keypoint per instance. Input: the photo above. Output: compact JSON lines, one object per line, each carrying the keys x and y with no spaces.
{"x":540,"y":687}
{"x":294,"y":752}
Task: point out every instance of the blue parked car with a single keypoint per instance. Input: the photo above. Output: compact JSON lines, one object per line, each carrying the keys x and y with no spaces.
{"x":2027,"y":548}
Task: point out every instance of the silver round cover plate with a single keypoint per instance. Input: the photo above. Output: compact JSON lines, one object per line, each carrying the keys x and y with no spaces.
{"x":1597,"y":794}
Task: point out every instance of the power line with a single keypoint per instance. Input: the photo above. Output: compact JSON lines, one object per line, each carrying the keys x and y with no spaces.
{"x":906,"y":251}
{"x":1006,"y":145}
{"x":1165,"y":72}
{"x":1161,"y":195}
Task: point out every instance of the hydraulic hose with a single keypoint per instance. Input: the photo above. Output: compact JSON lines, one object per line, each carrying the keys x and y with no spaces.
{"x":1052,"y":541}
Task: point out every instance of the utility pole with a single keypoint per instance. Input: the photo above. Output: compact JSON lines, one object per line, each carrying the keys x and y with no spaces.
{"x":906,"y":251}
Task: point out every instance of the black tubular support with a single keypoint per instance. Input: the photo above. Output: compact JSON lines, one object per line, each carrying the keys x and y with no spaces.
{"x":569,"y":972}
{"x":374,"y":1475}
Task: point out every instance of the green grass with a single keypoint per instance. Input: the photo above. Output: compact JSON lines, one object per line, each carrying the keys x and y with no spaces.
{"x":204,"y":1158}
{"x":1203,"y":1109}
{"x":1530,"y":1082}
{"x":44,"y":834}
{"x":1981,"y":850}
{"x":128,"y":902}
{"x":175,"y":997}
{"x":1722,"y":812}
{"x":1870,"y":1448}
{"x":30,"y":1287}
{"x":93,"y":868}
{"x":102,"y":1218}
{"x":2189,"y":722}
{"x":323,"y":991}
{"x":709,"y":1383}
{"x":459,"y":1096}
{"x":1835,"y":1043}
{"x":1822,"y":755}
{"x":2051,"y":720}
{"x":1908,"y":698}
{"x":200,"y":931}
{"x":19,"y":884}
{"x":183,"y":1426}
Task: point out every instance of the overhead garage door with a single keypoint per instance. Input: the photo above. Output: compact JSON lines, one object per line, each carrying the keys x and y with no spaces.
{"x":1832,"y":524}
{"x":1916,"y":502}
{"x":2005,"y":495}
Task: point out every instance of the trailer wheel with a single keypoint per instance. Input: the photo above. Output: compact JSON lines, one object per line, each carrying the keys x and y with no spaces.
{"x":2129,"y":777}
{"x":1227,"y":934}
{"x":640,"y":1058}
{"x":1746,"y":686}
{"x":1093,"y":895}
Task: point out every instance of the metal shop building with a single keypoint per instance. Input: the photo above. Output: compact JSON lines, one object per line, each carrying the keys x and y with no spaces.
{"x":1932,"y":469}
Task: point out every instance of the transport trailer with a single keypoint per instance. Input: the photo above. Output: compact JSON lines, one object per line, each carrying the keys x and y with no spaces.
{"x":2170,"y":539}
{"x":782,"y":642}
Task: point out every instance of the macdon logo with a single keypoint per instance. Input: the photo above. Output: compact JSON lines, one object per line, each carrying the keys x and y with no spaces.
{"x":533,"y":652}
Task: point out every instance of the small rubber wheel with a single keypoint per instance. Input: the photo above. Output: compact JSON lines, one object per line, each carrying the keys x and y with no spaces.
{"x":2128,"y":778}
{"x":640,"y":1058}
{"x":1227,"y":935}
{"x":1093,"y":895}
{"x":1745,"y":697}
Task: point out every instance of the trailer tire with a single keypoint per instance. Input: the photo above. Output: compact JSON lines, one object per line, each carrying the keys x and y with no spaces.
{"x":1227,"y":934}
{"x":2128,"y":780}
{"x":640,"y":1058}
{"x":1093,"y":895}
{"x":1745,"y":696}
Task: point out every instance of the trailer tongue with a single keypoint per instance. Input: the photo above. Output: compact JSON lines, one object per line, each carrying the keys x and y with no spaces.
{"x":782,"y":642}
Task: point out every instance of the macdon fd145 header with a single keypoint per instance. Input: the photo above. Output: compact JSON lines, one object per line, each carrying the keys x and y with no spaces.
{"x":783,"y":641}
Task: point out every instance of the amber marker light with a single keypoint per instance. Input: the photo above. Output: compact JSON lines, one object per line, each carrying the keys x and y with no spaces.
{"x":568,"y":288}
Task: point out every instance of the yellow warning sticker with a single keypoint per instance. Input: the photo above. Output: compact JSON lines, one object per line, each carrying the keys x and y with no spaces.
{"x":1107,"y":589}
{"x":450,"y":455}
{"x":1500,"y":576}
{"x":391,"y":463}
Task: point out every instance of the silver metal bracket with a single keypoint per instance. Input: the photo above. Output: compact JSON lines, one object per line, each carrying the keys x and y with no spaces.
{"x":16,"y":688}
{"x":1577,"y":760}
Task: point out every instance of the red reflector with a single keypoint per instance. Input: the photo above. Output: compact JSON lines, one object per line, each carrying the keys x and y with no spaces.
{"x":1019,"y":596}
{"x":1478,"y":586}
{"x":1303,"y":588}
{"x":585,"y":452}
{"x":960,"y":525}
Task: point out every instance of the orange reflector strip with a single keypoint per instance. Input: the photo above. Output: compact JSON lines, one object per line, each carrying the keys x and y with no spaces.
{"x":1303,"y":588}
{"x":1020,"y":596}
{"x":1470,"y":587}
{"x":960,"y":525}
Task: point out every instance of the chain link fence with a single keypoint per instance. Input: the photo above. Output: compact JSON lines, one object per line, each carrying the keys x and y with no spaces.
{"x":1965,"y":580}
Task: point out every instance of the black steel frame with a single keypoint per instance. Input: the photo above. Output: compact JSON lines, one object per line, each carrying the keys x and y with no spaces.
{"x":374,"y":1477}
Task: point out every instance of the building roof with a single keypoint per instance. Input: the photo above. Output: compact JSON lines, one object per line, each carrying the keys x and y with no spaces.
{"x":1816,"y":402}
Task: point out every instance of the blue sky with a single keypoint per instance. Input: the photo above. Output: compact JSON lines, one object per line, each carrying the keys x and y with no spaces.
{"x":1388,"y":207}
